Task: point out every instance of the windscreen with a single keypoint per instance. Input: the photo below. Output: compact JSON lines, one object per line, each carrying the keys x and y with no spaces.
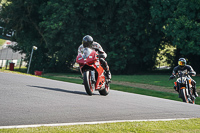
{"x":86,"y":52}
{"x":182,"y":73}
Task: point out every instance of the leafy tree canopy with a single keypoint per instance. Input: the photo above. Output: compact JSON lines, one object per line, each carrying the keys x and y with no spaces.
{"x":131,"y":32}
{"x":56,"y":27}
{"x":179,"y":21}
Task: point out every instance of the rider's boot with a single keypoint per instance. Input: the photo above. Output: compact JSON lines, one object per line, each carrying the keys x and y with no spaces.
{"x":175,"y":88}
{"x":108,"y":75}
{"x":189,"y":98}
{"x":194,"y":88}
{"x":106,"y":68}
{"x":195,"y":92}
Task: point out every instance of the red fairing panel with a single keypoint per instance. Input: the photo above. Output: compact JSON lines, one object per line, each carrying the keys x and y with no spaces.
{"x":90,"y":59}
{"x":100,"y":80}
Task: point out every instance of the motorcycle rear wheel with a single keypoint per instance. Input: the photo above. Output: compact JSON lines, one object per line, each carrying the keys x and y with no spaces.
{"x":89,"y":88}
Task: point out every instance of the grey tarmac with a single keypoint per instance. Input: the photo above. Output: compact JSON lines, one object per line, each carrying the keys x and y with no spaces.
{"x":26,"y":100}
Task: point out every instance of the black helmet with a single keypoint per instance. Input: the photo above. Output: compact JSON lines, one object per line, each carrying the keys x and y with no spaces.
{"x":182,"y":62}
{"x":87,"y":41}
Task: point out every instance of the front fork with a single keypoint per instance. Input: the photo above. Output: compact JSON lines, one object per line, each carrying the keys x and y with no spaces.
{"x":93,"y":76}
{"x":177,"y":87}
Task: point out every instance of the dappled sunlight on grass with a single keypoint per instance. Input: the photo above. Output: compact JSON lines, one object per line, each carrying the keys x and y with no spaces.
{"x":157,"y":81}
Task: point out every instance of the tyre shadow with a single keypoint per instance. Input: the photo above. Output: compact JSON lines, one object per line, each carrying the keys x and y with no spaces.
{"x":58,"y":89}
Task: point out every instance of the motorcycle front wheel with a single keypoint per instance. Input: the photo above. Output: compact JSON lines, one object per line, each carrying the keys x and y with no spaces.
{"x":89,"y":87}
{"x":183,"y":95}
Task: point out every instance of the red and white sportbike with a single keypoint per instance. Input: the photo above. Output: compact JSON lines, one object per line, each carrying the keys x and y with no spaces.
{"x":93,"y":74}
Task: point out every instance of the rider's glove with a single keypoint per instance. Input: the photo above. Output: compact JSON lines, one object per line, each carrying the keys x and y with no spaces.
{"x":192,"y":73}
{"x":101,"y":56}
{"x":171,"y":77}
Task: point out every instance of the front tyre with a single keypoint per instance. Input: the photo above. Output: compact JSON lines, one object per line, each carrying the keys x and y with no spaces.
{"x":106,"y":90}
{"x":89,"y":87}
{"x":183,"y":95}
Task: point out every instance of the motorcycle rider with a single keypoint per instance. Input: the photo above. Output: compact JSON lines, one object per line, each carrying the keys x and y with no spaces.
{"x":182,"y":67}
{"x":87,"y":41}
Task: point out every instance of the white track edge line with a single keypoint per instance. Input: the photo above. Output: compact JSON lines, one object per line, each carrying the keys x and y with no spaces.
{"x":84,"y":123}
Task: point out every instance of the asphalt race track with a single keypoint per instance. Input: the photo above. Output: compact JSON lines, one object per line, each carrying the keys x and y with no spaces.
{"x":26,"y":100}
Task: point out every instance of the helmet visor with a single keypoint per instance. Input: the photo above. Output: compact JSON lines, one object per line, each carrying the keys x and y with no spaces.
{"x":181,"y":63}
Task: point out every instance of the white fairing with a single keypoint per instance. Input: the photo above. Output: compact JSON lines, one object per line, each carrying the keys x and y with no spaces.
{"x":184,"y":79}
{"x":86,"y":52}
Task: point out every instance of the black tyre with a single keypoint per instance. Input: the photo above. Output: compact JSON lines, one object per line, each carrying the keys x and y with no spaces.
{"x":183,"y":95}
{"x":89,"y":88}
{"x":106,"y":90}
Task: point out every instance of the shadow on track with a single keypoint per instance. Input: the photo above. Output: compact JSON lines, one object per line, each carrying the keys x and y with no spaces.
{"x":61,"y":90}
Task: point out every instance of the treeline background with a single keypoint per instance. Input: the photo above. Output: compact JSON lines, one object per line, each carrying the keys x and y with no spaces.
{"x":131,"y":32}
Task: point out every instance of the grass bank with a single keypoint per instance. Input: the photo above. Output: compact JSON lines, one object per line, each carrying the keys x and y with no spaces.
{"x":173,"y":126}
{"x":159,"y":80}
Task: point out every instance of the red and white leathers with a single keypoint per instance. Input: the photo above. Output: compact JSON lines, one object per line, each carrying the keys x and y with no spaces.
{"x":96,"y":46}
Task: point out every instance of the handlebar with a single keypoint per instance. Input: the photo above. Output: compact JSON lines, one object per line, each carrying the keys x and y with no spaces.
{"x":180,"y":74}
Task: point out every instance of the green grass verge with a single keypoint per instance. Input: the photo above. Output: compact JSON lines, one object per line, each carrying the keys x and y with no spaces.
{"x":174,"y":126}
{"x":23,"y":70}
{"x":159,"y":80}
{"x":148,"y":92}
{"x":2,"y":41}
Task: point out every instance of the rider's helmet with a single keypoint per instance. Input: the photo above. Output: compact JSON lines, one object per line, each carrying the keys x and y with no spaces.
{"x":87,"y":41}
{"x":182,"y":62}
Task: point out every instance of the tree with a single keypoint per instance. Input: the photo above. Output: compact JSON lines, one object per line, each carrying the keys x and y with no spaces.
{"x":22,"y":17}
{"x":186,"y":30}
{"x":180,"y":24}
{"x":124,"y":29}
